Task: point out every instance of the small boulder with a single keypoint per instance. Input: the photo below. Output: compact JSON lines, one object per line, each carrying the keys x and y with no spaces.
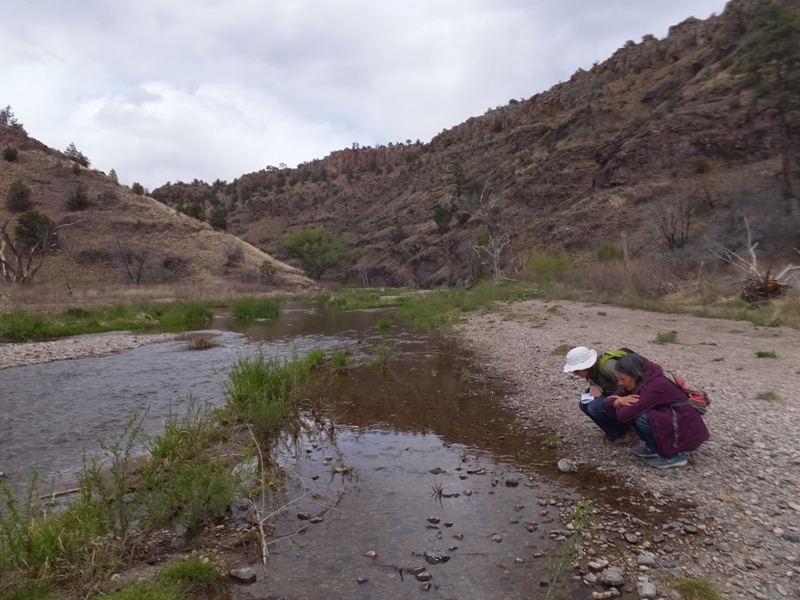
{"x":243,"y":575}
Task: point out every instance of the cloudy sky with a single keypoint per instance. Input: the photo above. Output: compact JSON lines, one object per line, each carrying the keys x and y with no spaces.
{"x":168,"y":90}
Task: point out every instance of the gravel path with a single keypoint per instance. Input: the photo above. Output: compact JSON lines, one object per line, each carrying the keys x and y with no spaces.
{"x":744,"y":534}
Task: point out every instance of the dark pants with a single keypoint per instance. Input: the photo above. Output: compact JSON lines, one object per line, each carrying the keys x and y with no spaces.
{"x":608,"y":422}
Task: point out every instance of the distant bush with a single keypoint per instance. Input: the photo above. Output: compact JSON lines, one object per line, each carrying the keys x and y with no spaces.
{"x":10,"y":154}
{"x":78,"y":200}
{"x":79,"y":157}
{"x":18,"y":198}
{"x":112,"y":175}
{"x":137,"y":188}
{"x":547,"y":265}
{"x":233,"y":254}
{"x":218,"y":218}
{"x":267,"y":271}
{"x":442,"y":217}
{"x":609,"y":251}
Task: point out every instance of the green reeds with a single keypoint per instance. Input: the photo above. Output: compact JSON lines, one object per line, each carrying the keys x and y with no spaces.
{"x":249,"y":307}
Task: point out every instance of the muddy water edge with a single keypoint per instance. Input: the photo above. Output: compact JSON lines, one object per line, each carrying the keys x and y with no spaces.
{"x":420,"y":465}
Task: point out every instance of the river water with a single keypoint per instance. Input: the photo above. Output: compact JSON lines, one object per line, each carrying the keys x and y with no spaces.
{"x":428,"y":460}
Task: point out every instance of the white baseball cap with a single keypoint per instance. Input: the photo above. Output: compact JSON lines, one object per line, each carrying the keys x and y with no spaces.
{"x":580,"y":358}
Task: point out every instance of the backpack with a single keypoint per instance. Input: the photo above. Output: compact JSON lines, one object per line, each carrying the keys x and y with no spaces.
{"x":612,"y":354}
{"x":698,"y":399}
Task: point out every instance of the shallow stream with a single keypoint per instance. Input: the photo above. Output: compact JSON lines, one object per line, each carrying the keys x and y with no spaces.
{"x":426,"y":455}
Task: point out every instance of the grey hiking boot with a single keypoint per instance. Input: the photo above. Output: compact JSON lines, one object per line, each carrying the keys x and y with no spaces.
{"x":645,"y":452}
{"x":665,"y":463}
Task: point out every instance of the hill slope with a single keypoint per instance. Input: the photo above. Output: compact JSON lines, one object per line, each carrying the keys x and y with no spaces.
{"x":665,"y":133}
{"x":118,"y":236}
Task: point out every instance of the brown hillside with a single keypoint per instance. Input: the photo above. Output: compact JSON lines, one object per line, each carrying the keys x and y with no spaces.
{"x":161,"y":245}
{"x":661,"y":125}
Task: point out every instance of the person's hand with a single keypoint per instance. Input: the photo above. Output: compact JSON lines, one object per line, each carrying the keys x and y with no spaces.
{"x":595,"y":390}
{"x":626,"y":400}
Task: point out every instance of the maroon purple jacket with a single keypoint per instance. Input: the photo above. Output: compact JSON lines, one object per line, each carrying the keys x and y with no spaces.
{"x":663,"y":401}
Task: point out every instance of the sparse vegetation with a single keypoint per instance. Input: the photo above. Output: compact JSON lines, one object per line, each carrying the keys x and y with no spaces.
{"x":552,"y":440}
{"x":666,"y":337}
{"x":10,"y":154}
{"x":768,"y":395}
{"x":766,"y":354}
{"x":546,"y":266}
{"x":609,"y":251}
{"x":137,"y":188}
{"x":695,"y":589}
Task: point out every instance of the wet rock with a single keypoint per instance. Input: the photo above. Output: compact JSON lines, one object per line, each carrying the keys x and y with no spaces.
{"x":631,"y":538}
{"x":434,"y":557}
{"x":447,"y":524}
{"x":316,"y":520}
{"x":566,"y":465}
{"x":416,"y":570}
{"x":519,"y":561}
{"x":371,"y":554}
{"x":512,"y":482}
{"x":434,"y":520}
{"x":436,"y":471}
{"x":303,"y":516}
{"x":612,"y":577}
{"x":458,"y":536}
{"x":424,"y":576}
{"x":243,"y":575}
{"x":362,"y":580}
{"x":426,"y":587}
{"x":496,"y":538}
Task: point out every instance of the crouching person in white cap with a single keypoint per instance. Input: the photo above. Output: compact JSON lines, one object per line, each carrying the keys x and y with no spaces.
{"x":599,"y":374}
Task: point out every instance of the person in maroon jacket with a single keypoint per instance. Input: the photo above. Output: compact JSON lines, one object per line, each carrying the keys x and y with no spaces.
{"x":658,"y":410}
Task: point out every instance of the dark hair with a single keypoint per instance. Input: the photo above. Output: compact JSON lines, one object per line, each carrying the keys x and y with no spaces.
{"x":632,"y":365}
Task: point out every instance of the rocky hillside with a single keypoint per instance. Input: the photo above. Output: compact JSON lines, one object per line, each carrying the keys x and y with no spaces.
{"x":665,"y":144}
{"x":106,"y":233}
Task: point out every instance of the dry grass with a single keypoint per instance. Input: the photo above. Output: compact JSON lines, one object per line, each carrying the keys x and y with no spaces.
{"x":200,"y":341}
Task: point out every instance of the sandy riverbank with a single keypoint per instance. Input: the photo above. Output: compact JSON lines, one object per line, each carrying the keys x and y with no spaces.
{"x":745,"y":481}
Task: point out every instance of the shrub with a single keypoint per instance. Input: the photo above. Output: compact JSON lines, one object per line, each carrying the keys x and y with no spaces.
{"x":233,"y":253}
{"x":10,"y":154}
{"x":609,"y":251}
{"x":316,"y":249}
{"x":548,"y":266}
{"x":766,"y":354}
{"x":666,"y":337}
{"x":78,"y":200}
{"x":267,"y":271}
{"x":218,"y":218}
{"x":137,"y":188}
{"x":18,"y":198}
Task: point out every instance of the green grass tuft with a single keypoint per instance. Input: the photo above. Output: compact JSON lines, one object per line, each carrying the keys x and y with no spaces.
{"x":254,"y":308}
{"x":666,"y":337}
{"x":146,"y":590}
{"x":190,"y":571}
{"x":766,"y":354}
{"x":768,"y":395}
{"x":696,"y":589}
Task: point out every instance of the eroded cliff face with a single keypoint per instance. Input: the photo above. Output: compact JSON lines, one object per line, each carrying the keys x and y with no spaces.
{"x":660,"y":122}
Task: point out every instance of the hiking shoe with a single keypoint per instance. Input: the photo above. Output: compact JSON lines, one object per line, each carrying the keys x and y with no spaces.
{"x":665,"y":463}
{"x":645,"y":452}
{"x":626,"y":439}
